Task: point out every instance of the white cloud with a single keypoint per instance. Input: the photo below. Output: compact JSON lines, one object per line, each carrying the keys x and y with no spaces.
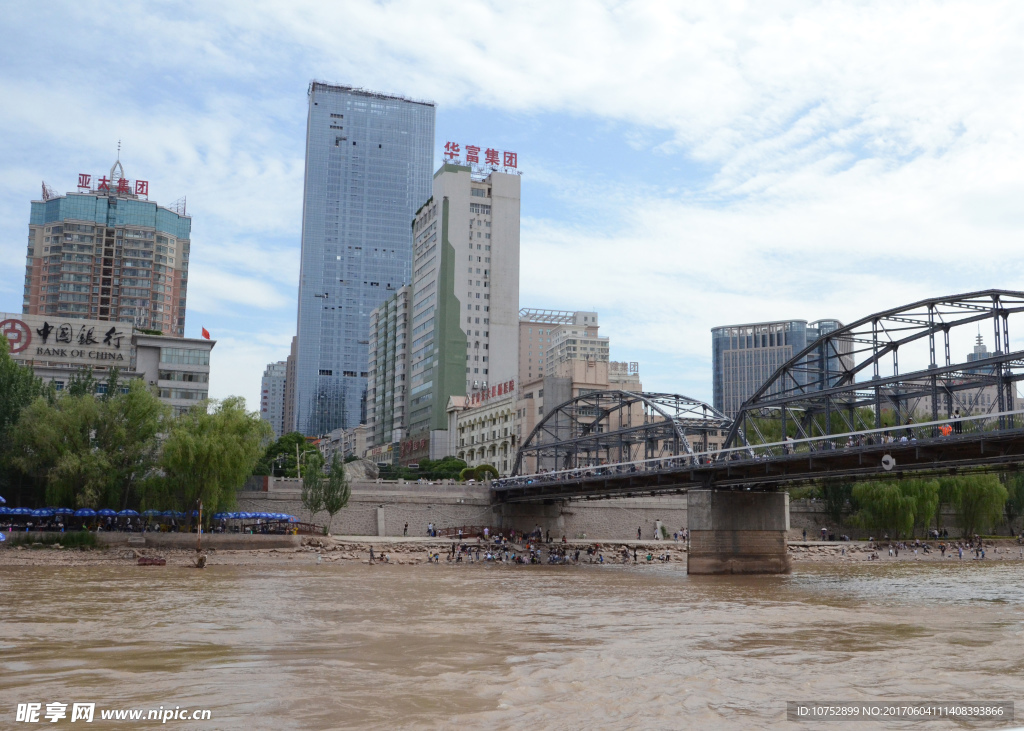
{"x":859,"y":155}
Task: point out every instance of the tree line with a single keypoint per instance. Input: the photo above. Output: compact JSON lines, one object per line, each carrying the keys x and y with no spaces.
{"x":910,"y":507}
{"x":115,"y":444}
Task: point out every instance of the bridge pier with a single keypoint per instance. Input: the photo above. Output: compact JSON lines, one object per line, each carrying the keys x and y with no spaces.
{"x":737,"y":532}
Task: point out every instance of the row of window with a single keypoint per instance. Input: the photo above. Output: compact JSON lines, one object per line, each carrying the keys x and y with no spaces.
{"x":185,"y":356}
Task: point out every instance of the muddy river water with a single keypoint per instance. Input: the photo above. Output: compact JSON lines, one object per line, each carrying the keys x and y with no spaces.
{"x":309,"y":646}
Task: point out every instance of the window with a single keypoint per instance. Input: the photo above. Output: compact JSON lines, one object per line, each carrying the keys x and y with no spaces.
{"x":479,"y":193}
{"x":324,"y":372}
{"x":185,"y":376}
{"x":185,"y":356}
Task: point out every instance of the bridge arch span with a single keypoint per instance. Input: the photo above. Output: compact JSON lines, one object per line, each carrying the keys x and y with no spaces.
{"x":892,"y":367}
{"x":608,"y":427}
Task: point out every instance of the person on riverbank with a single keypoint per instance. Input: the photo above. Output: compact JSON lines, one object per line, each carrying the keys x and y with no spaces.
{"x":405,"y":530}
{"x":638,"y":534}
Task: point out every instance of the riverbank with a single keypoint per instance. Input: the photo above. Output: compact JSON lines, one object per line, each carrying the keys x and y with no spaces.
{"x":413,"y":551}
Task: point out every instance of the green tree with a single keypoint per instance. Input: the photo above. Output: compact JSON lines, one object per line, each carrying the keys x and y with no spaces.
{"x":90,"y":451}
{"x":485,"y":471}
{"x":19,"y":387}
{"x":447,"y":468}
{"x":313,"y":482}
{"x":925,"y":494}
{"x":836,"y":495}
{"x":1014,"y":484}
{"x":336,"y":490}
{"x":279,"y":456}
{"x":884,"y":508}
{"x":210,"y":451}
{"x":82,"y":383}
{"x":978,"y":502}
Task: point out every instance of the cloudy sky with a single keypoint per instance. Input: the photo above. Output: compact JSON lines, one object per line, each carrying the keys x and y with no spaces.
{"x":685,"y":165}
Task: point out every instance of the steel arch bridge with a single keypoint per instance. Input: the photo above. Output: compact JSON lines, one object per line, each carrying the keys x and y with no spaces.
{"x":841,"y":407}
{"x":614,"y":427}
{"x":850,"y":379}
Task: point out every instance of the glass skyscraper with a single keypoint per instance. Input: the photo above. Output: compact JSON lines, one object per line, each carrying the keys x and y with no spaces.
{"x":369,"y":159}
{"x":744,"y":357}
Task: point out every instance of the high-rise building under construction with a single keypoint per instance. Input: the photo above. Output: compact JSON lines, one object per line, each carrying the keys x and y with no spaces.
{"x":107,"y":252}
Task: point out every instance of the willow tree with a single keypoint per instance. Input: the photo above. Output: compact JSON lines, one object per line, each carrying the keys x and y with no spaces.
{"x":925,"y":494}
{"x":209,"y":452}
{"x":884,"y":508}
{"x":89,"y":451}
{"x":978,"y":502}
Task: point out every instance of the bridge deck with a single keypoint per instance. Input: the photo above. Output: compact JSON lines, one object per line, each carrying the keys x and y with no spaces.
{"x":934,"y":454}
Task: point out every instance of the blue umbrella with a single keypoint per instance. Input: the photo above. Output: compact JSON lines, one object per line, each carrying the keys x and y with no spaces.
{"x":64,"y":511}
{"x":4,"y":511}
{"x":221,"y":516}
{"x":129,"y":513}
{"x":168,"y":514}
{"x":85,"y":513}
{"x":2,"y":501}
{"x":106,"y":512}
{"x":151,"y":513}
{"x":234,"y":516}
{"x":42,"y":513}
{"x":20,"y":511}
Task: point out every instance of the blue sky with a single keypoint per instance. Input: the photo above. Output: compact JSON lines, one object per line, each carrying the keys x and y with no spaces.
{"x":685,"y":165}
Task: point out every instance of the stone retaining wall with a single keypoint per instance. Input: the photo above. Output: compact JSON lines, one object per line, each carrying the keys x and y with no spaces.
{"x":383,"y":510}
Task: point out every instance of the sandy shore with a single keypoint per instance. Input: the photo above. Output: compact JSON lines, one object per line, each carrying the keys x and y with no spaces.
{"x":411,"y":551}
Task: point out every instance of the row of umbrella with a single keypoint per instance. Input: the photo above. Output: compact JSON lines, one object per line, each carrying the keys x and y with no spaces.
{"x":255,"y":516}
{"x":90,"y":513}
{"x":107,"y":512}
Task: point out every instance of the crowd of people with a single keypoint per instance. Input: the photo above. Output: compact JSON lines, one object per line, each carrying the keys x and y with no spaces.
{"x":533,"y":547}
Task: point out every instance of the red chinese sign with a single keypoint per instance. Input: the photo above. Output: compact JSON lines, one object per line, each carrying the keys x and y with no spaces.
{"x":491,"y":157}
{"x":502,"y":389}
{"x":124,"y":186}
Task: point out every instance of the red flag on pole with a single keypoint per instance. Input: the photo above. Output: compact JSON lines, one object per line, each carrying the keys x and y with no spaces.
{"x":206,"y":333}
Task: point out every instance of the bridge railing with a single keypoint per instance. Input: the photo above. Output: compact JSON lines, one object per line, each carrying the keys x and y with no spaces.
{"x":965,"y":427}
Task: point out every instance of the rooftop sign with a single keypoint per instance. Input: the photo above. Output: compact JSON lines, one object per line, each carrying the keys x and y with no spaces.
{"x":492,"y":159}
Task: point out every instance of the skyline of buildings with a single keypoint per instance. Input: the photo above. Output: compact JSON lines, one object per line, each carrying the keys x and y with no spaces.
{"x":367,"y":170}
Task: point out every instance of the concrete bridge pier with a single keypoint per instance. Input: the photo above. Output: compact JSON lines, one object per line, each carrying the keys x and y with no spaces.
{"x":737,"y":532}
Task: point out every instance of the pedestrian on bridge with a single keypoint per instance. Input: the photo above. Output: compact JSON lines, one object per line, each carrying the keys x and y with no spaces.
{"x":958,"y":426}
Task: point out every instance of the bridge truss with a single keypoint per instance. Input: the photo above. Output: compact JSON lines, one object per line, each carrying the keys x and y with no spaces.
{"x":850,"y":379}
{"x":614,"y":427}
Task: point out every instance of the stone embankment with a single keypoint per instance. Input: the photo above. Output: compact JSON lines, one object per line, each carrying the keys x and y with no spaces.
{"x":413,"y":551}
{"x":856,"y":551}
